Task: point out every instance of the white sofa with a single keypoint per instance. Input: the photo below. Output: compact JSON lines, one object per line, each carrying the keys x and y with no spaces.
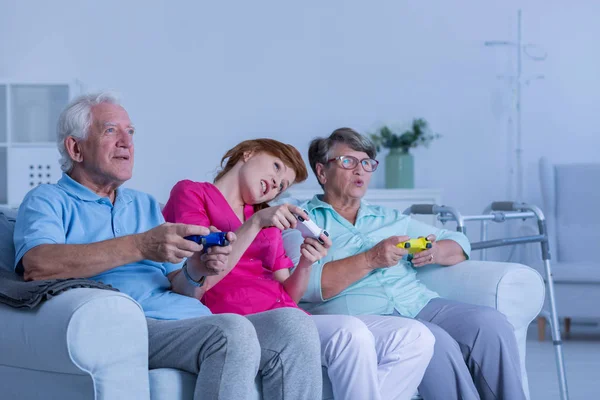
{"x":92,"y":344}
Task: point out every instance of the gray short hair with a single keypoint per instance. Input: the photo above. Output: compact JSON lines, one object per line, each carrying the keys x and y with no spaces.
{"x":319,"y":150}
{"x":76,"y":119}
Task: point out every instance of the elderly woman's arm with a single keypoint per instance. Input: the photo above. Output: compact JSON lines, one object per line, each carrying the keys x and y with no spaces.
{"x":449,"y":248}
{"x":443,"y":252}
{"x":338,"y":275}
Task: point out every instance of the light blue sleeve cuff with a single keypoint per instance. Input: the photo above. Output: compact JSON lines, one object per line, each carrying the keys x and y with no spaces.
{"x":172,"y":267}
{"x":30,"y":245}
{"x":458,"y":237}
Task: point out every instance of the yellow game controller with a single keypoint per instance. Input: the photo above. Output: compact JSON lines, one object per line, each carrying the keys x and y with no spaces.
{"x":415,"y":245}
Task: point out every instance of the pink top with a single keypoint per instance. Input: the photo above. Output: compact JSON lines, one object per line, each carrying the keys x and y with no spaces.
{"x":249,"y":287}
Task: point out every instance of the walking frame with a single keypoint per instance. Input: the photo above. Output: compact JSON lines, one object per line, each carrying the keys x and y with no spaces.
{"x":501,"y":211}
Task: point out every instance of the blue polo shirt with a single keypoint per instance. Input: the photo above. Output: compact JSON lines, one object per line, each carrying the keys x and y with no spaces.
{"x":70,"y":213}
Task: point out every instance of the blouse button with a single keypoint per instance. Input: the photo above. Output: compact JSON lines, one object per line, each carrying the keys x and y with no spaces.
{"x":278,"y":300}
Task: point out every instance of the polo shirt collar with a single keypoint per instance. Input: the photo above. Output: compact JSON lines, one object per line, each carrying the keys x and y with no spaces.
{"x":365,"y":208}
{"x":76,"y":189}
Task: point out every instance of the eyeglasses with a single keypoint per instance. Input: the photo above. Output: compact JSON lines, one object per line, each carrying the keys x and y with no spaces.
{"x":350,"y":162}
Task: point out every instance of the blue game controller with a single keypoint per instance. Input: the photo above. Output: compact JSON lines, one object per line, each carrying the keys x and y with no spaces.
{"x":212,"y":239}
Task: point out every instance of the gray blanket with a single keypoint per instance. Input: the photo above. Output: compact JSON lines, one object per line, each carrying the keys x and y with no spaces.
{"x":16,"y":292}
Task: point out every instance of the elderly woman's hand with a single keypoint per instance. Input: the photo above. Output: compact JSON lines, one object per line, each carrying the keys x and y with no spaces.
{"x":385,"y":253}
{"x":312,"y":251}
{"x":426,"y":256}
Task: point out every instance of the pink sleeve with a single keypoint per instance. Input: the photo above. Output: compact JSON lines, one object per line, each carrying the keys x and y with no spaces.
{"x":281,"y":260}
{"x":186,"y":204}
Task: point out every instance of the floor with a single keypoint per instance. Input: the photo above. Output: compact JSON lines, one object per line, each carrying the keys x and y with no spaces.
{"x":582,"y":360}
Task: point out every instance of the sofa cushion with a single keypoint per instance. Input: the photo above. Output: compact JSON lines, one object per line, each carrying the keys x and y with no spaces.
{"x":7,"y":247}
{"x":174,"y":384}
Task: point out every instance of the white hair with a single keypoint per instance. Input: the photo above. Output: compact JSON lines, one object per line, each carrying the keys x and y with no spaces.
{"x":76,"y":119}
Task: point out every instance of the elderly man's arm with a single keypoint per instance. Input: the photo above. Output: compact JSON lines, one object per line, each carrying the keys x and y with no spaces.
{"x":52,"y":261}
{"x":165,"y":243}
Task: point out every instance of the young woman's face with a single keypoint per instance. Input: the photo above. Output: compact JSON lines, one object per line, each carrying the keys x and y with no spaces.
{"x":263,"y":176}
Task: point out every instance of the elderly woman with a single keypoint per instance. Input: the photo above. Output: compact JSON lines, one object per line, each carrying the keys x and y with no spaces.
{"x":475,"y":353}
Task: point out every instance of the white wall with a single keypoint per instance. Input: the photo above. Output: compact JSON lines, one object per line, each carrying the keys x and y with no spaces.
{"x":198,"y":77}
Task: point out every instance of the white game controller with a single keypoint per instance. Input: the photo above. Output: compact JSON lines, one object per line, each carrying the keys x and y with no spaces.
{"x":309,"y":229}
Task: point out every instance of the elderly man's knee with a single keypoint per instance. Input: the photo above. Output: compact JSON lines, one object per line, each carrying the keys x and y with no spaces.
{"x":238,"y":332}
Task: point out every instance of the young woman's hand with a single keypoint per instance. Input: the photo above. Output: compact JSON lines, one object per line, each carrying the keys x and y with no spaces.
{"x":281,"y":217}
{"x":312,"y":251}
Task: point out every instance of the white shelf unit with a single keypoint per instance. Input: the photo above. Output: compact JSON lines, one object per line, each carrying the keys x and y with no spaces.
{"x":28,"y":155}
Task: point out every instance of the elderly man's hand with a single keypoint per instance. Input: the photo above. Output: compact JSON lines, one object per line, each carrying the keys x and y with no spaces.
{"x":167,"y":243}
{"x":385,"y":253}
{"x":214,"y":261}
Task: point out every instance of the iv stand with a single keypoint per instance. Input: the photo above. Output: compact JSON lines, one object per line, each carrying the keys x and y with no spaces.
{"x":517,"y":81}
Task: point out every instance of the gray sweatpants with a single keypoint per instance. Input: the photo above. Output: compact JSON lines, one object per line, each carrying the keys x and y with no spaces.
{"x":475,"y":353}
{"x":227,"y":350}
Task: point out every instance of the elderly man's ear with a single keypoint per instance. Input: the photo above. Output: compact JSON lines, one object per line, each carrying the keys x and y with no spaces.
{"x":74,"y":149}
{"x":321,"y":173}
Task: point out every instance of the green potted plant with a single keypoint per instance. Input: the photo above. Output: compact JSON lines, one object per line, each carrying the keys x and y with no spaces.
{"x":399,"y":163}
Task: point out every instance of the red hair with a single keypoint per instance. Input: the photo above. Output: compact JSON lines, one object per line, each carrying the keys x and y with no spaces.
{"x":290,"y":156}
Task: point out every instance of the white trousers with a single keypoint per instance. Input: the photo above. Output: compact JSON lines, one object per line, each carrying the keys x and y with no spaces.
{"x":374,"y":357}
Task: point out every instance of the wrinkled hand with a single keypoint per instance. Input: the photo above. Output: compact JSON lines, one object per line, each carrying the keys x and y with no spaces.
{"x":167,"y":243}
{"x":426,"y":256}
{"x":282,"y":216}
{"x":385,"y":253}
{"x":312,"y":250}
{"x":212,"y":262}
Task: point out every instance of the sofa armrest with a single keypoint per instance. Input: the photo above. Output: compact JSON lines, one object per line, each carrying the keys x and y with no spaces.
{"x":92,"y":332}
{"x":513,"y":289}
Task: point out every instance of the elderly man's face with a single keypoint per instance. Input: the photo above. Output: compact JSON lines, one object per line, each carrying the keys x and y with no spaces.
{"x":107,"y":153}
{"x":345,"y":183}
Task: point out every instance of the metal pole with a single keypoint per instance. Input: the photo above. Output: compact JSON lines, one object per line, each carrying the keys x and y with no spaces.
{"x":484,"y":232}
{"x":519,"y":150}
{"x":556,"y":339}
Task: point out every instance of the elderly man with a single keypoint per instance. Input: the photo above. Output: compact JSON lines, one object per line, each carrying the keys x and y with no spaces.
{"x":87,"y":226}
{"x":475,"y":353}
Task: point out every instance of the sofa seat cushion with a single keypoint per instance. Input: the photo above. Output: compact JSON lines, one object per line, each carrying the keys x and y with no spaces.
{"x":170,"y":383}
{"x":174,"y":384}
